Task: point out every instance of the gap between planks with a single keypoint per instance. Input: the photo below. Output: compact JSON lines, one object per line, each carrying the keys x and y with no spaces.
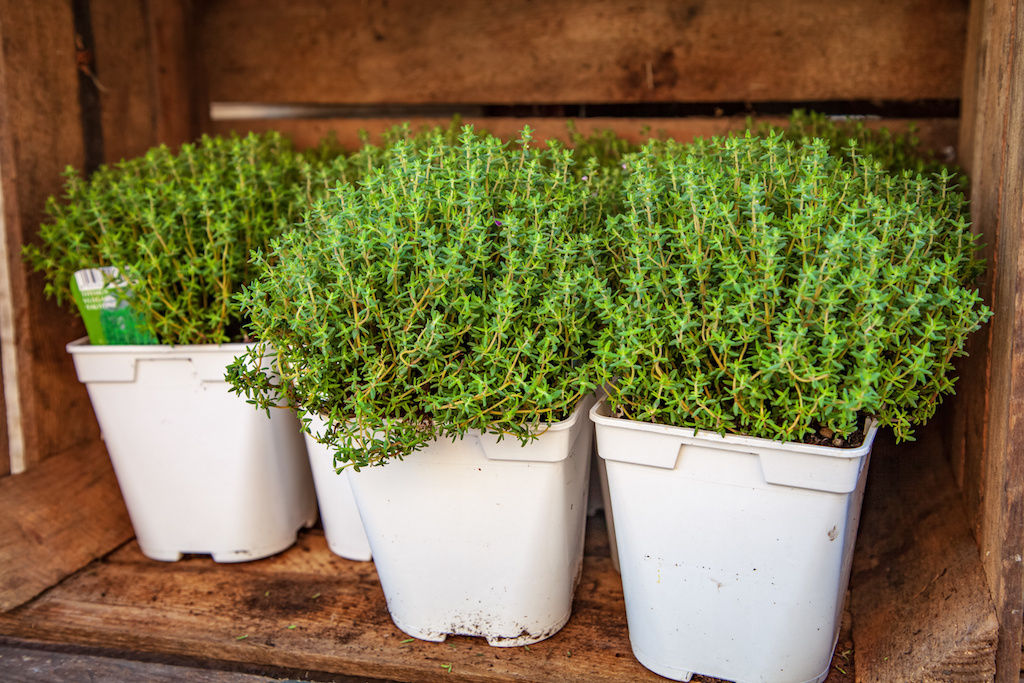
{"x":938,"y":134}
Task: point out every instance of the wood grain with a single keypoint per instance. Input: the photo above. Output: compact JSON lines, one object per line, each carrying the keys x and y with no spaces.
{"x":312,"y":611}
{"x":581,"y":51}
{"x":123,"y":69}
{"x":982,"y":127}
{"x":243,"y":613}
{"x":937,"y":134}
{"x":28,"y":665}
{"x":40,"y":133}
{"x":1003,"y":524}
{"x":55,"y":519}
{"x":1012,"y":585}
{"x":151,"y":92}
{"x":992,"y":445}
{"x":5,"y":458}
{"x":180,"y":105}
{"x":920,"y":601}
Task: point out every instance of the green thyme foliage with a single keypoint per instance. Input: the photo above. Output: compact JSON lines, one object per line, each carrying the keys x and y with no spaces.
{"x":180,"y":227}
{"x":602,"y":148}
{"x":450,"y":289}
{"x":334,"y":165}
{"x":600,"y":159}
{"x":762,"y":287}
{"x":897,"y":152}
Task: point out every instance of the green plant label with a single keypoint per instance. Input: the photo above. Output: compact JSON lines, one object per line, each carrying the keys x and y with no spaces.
{"x":108,"y":318}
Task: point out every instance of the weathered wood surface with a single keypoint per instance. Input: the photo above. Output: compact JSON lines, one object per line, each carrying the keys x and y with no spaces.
{"x":581,"y":51}
{"x":30,"y":665}
{"x":55,"y":519}
{"x":920,"y":602}
{"x":938,"y":134}
{"x":150,"y":90}
{"x":988,"y":444}
{"x":40,"y":133}
{"x":180,"y":104}
{"x":308,"y":610}
{"x":124,"y":71}
{"x":5,"y":458}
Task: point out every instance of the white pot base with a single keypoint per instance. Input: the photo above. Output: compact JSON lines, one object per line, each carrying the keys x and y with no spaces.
{"x":676,"y":674}
{"x":162,"y":555}
{"x":479,"y":629}
{"x":668,"y":671}
{"x":256,"y":553}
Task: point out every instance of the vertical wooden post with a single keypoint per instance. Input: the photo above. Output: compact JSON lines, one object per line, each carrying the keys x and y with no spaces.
{"x":151,"y":87}
{"x":40,"y":133}
{"x":989,"y":449}
{"x":124,"y":67}
{"x":180,"y":110}
{"x":5,"y":458}
{"x":152,"y":91}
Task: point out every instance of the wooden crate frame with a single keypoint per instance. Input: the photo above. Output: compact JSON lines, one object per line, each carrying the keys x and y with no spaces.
{"x":84,"y":82}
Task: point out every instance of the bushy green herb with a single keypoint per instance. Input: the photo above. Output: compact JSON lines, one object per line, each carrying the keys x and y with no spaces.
{"x":450,"y":289}
{"x":600,"y":158}
{"x":765,"y":287}
{"x":896,"y":152}
{"x":180,"y":227}
{"x":604,"y":145}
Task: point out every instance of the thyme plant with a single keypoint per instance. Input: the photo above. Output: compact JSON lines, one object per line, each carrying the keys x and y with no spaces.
{"x":765,"y":287}
{"x":450,"y":289}
{"x":896,"y":152}
{"x":179,"y":227}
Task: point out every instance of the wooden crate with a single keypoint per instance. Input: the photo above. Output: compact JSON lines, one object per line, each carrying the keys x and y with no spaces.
{"x":84,"y":82}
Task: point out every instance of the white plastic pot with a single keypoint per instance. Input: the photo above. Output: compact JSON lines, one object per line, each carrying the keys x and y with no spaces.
{"x":201,"y":470}
{"x":343,"y":528}
{"x":734,"y":551}
{"x":481,"y":537}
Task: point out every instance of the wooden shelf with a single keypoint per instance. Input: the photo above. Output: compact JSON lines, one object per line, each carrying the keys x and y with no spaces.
{"x":920,"y":607}
{"x":310,"y":614}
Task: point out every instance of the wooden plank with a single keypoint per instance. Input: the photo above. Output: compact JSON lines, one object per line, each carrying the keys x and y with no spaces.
{"x":341,"y":624}
{"x":992,"y":448}
{"x":1003,"y":524}
{"x":970,"y":390}
{"x":123,"y":59}
{"x":921,"y":607}
{"x":973,"y":86}
{"x":28,"y":665}
{"x":150,"y":91}
{"x":13,"y":444}
{"x":981,"y":127}
{"x":311,"y":610}
{"x":581,"y":51}
{"x":40,"y":133}
{"x":55,"y":519}
{"x":180,"y":105}
{"x":937,"y":134}
{"x":5,"y":458}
